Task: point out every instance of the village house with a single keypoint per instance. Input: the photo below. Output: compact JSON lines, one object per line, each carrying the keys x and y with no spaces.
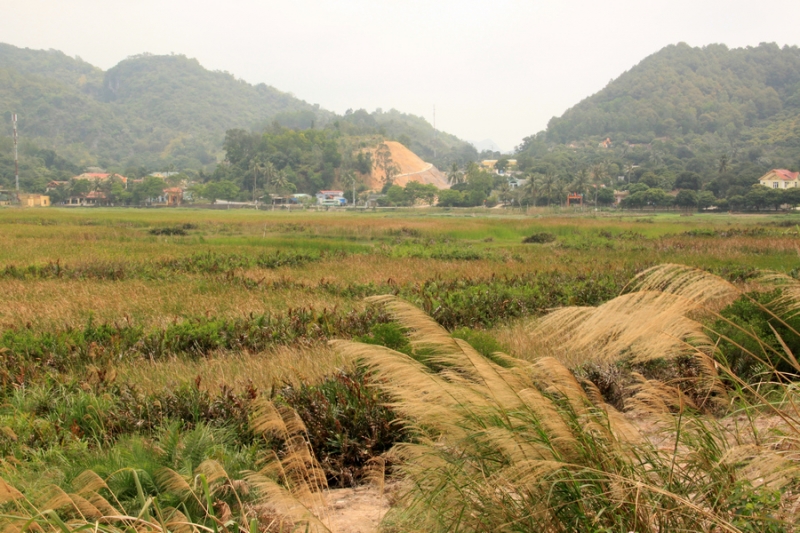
{"x":779,"y":178}
{"x":172,"y":196}
{"x":489,"y":164}
{"x":33,"y":200}
{"x":331,"y":198}
{"x":90,"y":199}
{"x":516,"y":183}
{"x":619,"y":196}
{"x":55,"y":185}
{"x":7,"y":197}
{"x":22,"y":199}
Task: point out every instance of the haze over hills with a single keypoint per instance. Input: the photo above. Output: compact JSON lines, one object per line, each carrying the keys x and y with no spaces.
{"x":156,"y":112}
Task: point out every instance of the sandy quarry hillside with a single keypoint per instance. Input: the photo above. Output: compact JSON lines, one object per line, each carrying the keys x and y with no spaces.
{"x":411,"y":168}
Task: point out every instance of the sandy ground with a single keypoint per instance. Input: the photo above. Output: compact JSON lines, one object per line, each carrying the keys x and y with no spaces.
{"x":411,"y":168}
{"x":358,"y":510}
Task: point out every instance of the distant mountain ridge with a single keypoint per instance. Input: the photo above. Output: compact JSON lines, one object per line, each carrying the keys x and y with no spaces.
{"x":144,"y":110}
{"x":153,"y":111}
{"x":682,"y":90}
{"x":712,"y":118}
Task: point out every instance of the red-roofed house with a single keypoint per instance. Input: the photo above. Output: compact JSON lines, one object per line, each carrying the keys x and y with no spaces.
{"x":780,"y":178}
{"x":173,"y":196}
{"x":91,"y":198}
{"x":55,"y":185}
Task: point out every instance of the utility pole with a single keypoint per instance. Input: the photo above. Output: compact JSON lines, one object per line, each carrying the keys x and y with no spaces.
{"x":16,"y":158}
{"x":434,"y":130}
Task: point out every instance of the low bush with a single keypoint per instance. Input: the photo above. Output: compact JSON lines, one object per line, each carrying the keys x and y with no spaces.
{"x":539,"y":238}
{"x":746,"y":335}
{"x":348,"y":424}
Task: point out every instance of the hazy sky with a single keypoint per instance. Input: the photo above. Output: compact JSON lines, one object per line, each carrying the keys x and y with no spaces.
{"x":495,"y":69}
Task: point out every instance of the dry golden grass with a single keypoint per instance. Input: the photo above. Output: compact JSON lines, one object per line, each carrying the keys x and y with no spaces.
{"x":264,"y":371}
{"x":529,"y":446}
{"x":59,"y":303}
{"x":81,"y":237}
{"x":656,"y":319}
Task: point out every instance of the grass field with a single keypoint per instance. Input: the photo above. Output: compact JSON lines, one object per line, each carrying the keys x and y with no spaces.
{"x":60,"y":267}
{"x":123,"y":329}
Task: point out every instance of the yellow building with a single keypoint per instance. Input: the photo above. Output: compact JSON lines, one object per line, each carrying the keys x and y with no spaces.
{"x":33,"y":200}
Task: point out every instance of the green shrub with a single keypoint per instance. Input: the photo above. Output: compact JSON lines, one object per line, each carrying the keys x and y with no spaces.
{"x":747,"y":343}
{"x":347,"y":422}
{"x":485,"y":343}
{"x":390,"y":335}
{"x":539,"y":238}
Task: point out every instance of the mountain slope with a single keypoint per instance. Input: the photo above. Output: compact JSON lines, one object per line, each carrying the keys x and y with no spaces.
{"x":148,"y":110}
{"x":711,"y":118}
{"x":683,"y":90}
{"x":154,"y":111}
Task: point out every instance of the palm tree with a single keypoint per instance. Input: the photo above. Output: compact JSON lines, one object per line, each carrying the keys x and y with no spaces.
{"x":629,"y":168}
{"x":599,"y":173}
{"x":532,"y":187}
{"x":455,"y":176}
{"x":257,"y":165}
{"x":277,"y":180}
{"x":580,"y":182}
{"x":549,"y":186}
{"x":505,"y":194}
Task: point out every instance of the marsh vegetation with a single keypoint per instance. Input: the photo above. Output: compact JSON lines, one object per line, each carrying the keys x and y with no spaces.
{"x":223,"y":377}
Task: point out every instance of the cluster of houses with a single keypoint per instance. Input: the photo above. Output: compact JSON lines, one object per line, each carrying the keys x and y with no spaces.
{"x":170,"y":196}
{"x":175,"y":196}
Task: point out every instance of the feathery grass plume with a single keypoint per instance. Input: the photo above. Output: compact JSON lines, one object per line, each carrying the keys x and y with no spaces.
{"x":8,"y":493}
{"x":526,"y":448}
{"x":291,"y":483}
{"x":697,"y":287}
{"x":641,"y":326}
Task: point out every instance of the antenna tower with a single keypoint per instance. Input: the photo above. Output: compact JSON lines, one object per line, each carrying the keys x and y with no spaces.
{"x":16,"y":159}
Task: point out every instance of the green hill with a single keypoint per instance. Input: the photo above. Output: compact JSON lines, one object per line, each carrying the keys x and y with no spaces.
{"x":147,"y":110}
{"x":154,"y":112}
{"x":682,"y":90}
{"x":724,"y":114}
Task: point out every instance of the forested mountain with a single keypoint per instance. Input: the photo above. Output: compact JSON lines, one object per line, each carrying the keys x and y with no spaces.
{"x":147,"y":110}
{"x":157,"y":112}
{"x":723,"y":116}
{"x":683,"y":90}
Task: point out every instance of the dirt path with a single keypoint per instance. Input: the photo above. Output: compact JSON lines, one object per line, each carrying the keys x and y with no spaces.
{"x":427,"y":168}
{"x":358,"y":510}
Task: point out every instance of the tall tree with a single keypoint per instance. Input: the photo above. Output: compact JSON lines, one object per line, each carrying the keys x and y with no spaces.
{"x":257,"y":165}
{"x":454,"y":175}
{"x":599,"y":173}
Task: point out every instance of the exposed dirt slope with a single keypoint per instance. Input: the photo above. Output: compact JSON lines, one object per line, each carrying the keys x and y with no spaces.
{"x":410,"y":166}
